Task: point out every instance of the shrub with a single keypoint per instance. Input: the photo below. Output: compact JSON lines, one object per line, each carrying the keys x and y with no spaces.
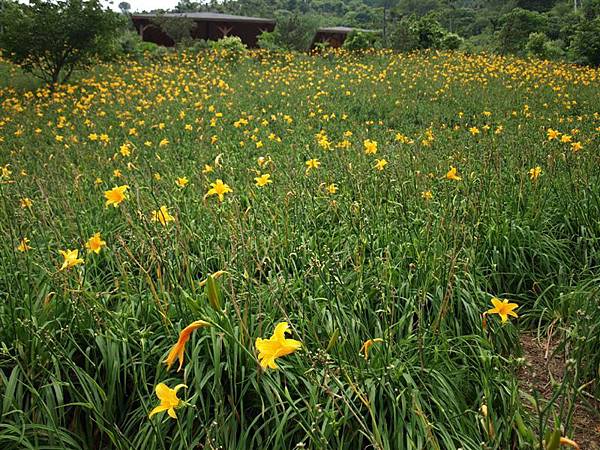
{"x":404,"y":37}
{"x":267,"y":41}
{"x":177,"y":28}
{"x":230,"y":43}
{"x":517,"y":25}
{"x":294,"y":32}
{"x":585,"y":45}
{"x":360,"y":40}
{"x":554,"y":49}
{"x":536,"y":45}
{"x":429,"y":31}
{"x":200,"y":45}
{"x":131,"y":45}
{"x":451,"y":41}
{"x":51,"y":40}
{"x":540,"y":46}
{"x":423,"y":33}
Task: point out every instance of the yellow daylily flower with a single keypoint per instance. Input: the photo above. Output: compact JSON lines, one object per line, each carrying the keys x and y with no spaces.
{"x":71,"y":258}
{"x":380,"y":164}
{"x":95,"y":243}
{"x":276,"y":347}
{"x":116,"y":195}
{"x":218,"y":188}
{"x":370,"y":146}
{"x":162,"y":216}
{"x":312,"y":164}
{"x":453,"y":174}
{"x":168,"y":399}
{"x":23,"y":245}
{"x":534,"y":173}
{"x":182,"y":182}
{"x":503,"y":308}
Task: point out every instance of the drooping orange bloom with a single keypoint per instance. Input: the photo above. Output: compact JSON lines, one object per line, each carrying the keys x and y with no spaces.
{"x":276,"y":347}
{"x":177,"y":351}
{"x":367,"y":344}
{"x":570,"y":442}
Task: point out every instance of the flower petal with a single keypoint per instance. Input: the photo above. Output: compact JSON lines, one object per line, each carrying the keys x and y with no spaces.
{"x":158,"y":409}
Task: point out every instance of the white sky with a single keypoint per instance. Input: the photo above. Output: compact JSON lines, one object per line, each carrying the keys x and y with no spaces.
{"x":142,"y":5}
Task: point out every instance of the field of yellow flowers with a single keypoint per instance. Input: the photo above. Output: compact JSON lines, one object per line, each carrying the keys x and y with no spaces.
{"x":277,"y":251}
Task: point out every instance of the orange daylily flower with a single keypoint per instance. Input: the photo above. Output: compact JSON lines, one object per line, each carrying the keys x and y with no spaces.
{"x":177,"y":351}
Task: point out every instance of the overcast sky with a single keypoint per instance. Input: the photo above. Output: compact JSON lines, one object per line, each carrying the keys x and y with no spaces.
{"x":143,"y":5}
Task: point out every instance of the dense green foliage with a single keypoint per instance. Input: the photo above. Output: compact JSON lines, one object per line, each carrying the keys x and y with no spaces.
{"x":52,"y":39}
{"x":474,"y":25}
{"x":360,"y":40}
{"x":345,"y":251}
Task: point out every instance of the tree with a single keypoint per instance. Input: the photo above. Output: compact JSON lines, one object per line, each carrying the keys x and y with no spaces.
{"x":51,"y":40}
{"x":177,"y":28}
{"x":124,"y":7}
{"x":535,"y":5}
{"x":517,"y":25}
{"x":585,"y":46}
{"x":294,"y":32}
{"x":187,"y":6}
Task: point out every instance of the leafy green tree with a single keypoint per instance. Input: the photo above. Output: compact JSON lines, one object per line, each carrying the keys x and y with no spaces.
{"x":294,"y":32}
{"x":536,"y":5}
{"x":429,"y":31}
{"x":423,"y":33}
{"x":404,"y":36}
{"x":418,"y":7}
{"x":52,"y":39}
{"x":517,"y":25}
{"x":124,"y":7}
{"x":186,"y":6}
{"x":451,"y":41}
{"x":360,"y":40}
{"x":177,"y":28}
{"x":536,"y":44}
{"x":591,"y":9}
{"x":585,"y":46}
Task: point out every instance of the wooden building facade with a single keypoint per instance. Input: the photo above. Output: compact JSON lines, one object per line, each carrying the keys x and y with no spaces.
{"x":208,"y":26}
{"x":333,"y":36}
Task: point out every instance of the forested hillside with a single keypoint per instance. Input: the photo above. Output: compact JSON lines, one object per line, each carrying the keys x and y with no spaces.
{"x":552,"y":29}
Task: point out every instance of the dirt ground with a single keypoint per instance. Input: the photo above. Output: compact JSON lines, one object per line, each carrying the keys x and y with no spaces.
{"x":541,"y":366}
